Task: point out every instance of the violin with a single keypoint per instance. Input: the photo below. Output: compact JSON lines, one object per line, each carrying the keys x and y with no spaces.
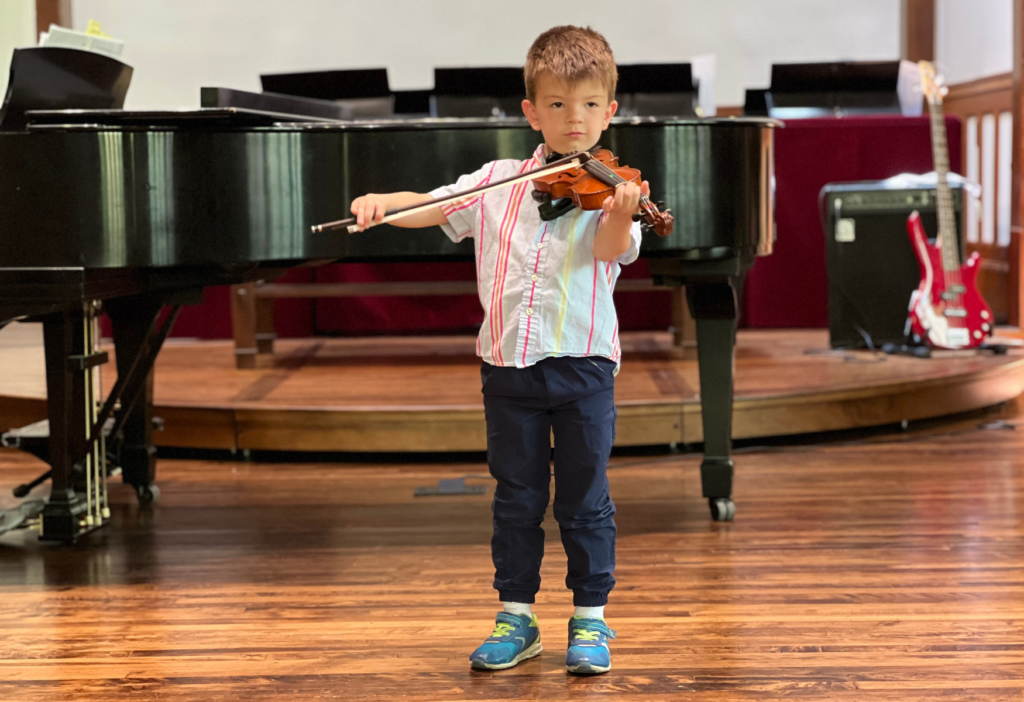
{"x":585,"y":178}
{"x":593,"y":182}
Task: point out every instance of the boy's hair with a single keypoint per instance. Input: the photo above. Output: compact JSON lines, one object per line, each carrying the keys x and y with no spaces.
{"x":571,"y":54}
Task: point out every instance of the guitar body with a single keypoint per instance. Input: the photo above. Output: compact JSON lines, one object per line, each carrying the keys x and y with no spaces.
{"x":944,"y":312}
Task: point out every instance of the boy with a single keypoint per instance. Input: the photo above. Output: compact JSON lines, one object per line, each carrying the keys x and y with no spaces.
{"x":550,"y":349}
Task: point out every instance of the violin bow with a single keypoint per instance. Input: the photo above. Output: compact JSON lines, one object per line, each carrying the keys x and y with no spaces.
{"x":562,"y":164}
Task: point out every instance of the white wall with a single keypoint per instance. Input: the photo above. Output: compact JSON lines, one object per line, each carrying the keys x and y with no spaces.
{"x":17,"y":29}
{"x":973,"y":38}
{"x":176,"y":47}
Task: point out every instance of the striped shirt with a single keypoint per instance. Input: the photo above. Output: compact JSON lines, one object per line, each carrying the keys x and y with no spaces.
{"x":543,"y":292}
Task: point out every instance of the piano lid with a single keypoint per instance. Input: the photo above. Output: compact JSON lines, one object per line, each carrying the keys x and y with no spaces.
{"x":203,"y":118}
{"x":234,"y":117}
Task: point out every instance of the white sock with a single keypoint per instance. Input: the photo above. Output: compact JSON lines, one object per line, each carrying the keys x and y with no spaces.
{"x":520,"y":608}
{"x":590,"y":612}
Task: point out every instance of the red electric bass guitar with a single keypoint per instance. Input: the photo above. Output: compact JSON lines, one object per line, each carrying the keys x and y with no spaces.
{"x":946,"y":310}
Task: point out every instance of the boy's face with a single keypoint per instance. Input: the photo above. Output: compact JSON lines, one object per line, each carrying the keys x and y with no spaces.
{"x":571,"y":117}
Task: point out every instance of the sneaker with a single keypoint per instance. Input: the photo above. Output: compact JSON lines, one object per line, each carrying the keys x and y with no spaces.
{"x":588,"y":652}
{"x":515,"y":638}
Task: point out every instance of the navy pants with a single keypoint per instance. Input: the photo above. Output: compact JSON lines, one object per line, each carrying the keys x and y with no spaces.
{"x":574,"y":397}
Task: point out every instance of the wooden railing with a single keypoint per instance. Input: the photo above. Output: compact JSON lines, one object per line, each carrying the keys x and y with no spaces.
{"x":985,"y":107}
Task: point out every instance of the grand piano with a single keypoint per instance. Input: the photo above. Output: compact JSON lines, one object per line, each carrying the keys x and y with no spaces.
{"x":133,"y":213}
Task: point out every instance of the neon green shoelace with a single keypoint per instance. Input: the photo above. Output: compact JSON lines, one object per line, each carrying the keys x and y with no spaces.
{"x":502,"y":629}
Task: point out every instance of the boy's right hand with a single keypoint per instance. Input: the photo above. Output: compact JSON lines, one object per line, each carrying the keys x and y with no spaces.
{"x":369,"y":209}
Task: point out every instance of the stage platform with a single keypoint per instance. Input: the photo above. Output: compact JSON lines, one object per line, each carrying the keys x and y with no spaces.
{"x":423,"y":393}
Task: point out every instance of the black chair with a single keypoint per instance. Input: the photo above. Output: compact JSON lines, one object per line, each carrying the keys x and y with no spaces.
{"x":478,"y":92}
{"x":362,"y":92}
{"x":657,"y":90}
{"x":412,"y":103}
{"x":754,"y":104}
{"x":54,"y":78}
{"x":801,"y":90}
{"x":287,"y":106}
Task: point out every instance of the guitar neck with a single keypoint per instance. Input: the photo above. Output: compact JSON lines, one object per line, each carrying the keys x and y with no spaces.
{"x":944,"y":197}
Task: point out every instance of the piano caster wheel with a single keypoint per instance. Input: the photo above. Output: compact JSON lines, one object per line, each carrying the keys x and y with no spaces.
{"x":722,"y":509}
{"x":148,"y":494}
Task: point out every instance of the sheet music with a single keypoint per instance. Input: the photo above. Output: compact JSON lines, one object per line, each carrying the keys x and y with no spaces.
{"x":703,"y":68}
{"x":93,"y":40}
{"x":908,"y":87}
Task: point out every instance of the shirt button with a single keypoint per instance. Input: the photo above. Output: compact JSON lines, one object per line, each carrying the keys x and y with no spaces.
{"x":533,"y":278}
{"x":529,"y":310}
{"x":540,"y":245}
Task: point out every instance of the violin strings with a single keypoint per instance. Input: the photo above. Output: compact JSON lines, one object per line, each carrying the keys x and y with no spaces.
{"x":616,"y":180}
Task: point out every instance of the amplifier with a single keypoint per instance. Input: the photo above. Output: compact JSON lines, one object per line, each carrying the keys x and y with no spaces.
{"x":872,"y":269}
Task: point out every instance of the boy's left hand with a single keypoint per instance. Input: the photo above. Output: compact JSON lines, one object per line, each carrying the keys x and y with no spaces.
{"x":626,"y":201}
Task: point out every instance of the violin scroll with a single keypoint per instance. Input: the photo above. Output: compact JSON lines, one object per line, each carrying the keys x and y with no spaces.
{"x":659,"y":219}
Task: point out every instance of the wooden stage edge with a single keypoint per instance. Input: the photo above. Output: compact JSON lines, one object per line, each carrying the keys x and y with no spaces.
{"x":423,"y":393}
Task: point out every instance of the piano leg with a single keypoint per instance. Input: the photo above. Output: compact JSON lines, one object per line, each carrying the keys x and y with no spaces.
{"x":711,"y":286}
{"x":66,"y":356}
{"x":133,"y":321}
{"x":713,"y":305}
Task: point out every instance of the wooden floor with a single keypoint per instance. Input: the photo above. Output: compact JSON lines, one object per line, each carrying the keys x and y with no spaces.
{"x":881,"y":569}
{"x":423,"y":394}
